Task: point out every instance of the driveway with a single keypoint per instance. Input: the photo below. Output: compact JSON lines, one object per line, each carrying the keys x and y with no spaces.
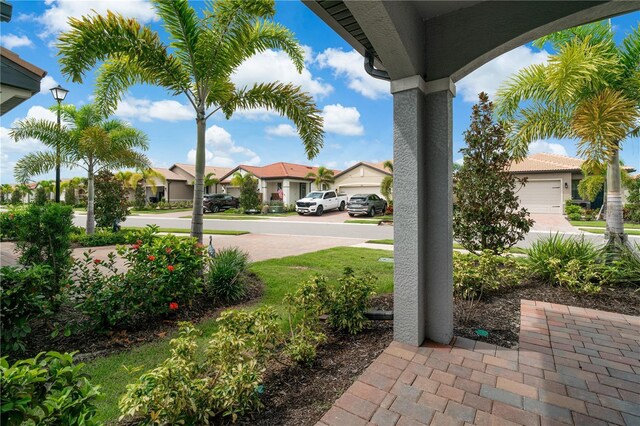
{"x":334,"y":216}
{"x":549,"y":222}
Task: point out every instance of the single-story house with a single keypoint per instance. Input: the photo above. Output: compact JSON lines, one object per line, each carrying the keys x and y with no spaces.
{"x":361,"y":178}
{"x":552,"y":179}
{"x":286,"y":182}
{"x":179,"y":182}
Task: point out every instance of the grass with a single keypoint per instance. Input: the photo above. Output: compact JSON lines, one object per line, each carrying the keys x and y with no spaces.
{"x":160,"y":211}
{"x":601,"y":224}
{"x":280,"y":277}
{"x":187,"y":231}
{"x":372,"y":221}
{"x":602,"y":230}
{"x":228,"y":217}
{"x":390,"y":242}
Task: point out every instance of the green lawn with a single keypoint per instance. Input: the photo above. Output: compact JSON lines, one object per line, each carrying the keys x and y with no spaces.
{"x":602,"y":230}
{"x":159,"y":211}
{"x":280,"y":277}
{"x":228,"y":217}
{"x":373,"y":220}
{"x":390,"y":242}
{"x":187,"y":231}
{"x":601,"y":224}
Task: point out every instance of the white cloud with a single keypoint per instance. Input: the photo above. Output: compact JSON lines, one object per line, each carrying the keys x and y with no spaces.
{"x":350,"y":65}
{"x":350,"y":163}
{"x":331,"y":164}
{"x":459,"y":161}
{"x":544,"y":146}
{"x":271,"y":65}
{"x":283,"y":130}
{"x":342,"y":120}
{"x":258,"y":114}
{"x":11,"y":41}
{"x":46,"y":84}
{"x":55,"y":18}
{"x":491,"y":75}
{"x":224,"y":152}
{"x":146,"y":110}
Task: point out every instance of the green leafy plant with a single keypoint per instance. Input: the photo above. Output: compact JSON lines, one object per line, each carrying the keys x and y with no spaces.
{"x":487,"y":213}
{"x":43,"y":234}
{"x":163,"y":273}
{"x":474,"y":275}
{"x":9,"y":224}
{"x":25,"y":294}
{"x":184,"y":390}
{"x":49,"y":389}
{"x":111,"y":200}
{"x":103,"y":237}
{"x":563,"y":250}
{"x":304,"y":308}
{"x":578,"y":276}
{"x":225,"y":280}
{"x":348,"y":301}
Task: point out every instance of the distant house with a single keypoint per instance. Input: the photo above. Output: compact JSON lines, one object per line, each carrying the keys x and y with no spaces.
{"x":361,"y":178}
{"x":180,"y":179}
{"x":286,"y":182}
{"x":551,"y":180}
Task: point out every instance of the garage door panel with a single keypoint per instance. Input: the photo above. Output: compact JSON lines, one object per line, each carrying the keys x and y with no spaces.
{"x":353,"y":190}
{"x":542,"y":196}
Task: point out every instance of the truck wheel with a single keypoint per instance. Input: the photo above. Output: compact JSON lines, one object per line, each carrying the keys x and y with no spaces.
{"x":341,"y":208}
{"x":372,"y":212}
{"x":301,"y":214}
{"x":215,"y":209}
{"x":351,"y":214}
{"x":319,"y":211}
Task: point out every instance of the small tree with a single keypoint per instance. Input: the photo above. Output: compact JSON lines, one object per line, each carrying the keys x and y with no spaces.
{"x":111,"y":199}
{"x":248,"y":184}
{"x":139,"y":194}
{"x":41,"y":196}
{"x":70,"y":196}
{"x":487,"y":214}
{"x":16,"y":196}
{"x":386,"y":186}
{"x":632,"y":209}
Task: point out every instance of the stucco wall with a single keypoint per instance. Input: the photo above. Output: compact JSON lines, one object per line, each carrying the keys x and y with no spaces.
{"x":180,"y":191}
{"x":565,"y":177}
{"x":361,"y":177}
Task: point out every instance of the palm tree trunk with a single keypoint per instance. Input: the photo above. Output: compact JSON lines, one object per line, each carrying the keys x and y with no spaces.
{"x":91,"y":221}
{"x":615,"y":223}
{"x":198,"y":190}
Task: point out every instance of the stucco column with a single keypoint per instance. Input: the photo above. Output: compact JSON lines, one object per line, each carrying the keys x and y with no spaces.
{"x":422,"y":152}
{"x":263,"y":191}
{"x":286,"y":191}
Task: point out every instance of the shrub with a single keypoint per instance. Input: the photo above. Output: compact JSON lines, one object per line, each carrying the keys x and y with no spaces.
{"x":110,"y":200}
{"x":488,"y":215}
{"x":563,"y":250}
{"x":575,"y":216}
{"x":632,"y":208}
{"x":570,"y":209}
{"x":25,"y":294}
{"x":304,"y":308}
{"x":160,"y":270}
{"x":49,"y":389}
{"x":348,"y":301}
{"x":41,"y":196}
{"x":183,"y":390}
{"x":578,"y":276}
{"x":475,"y":275}
{"x":139,"y":200}
{"x":232,"y":211}
{"x":43,"y":234}
{"x":249,"y":195}
{"x":225,"y":280}
{"x":16,"y":196}
{"x":70,"y":196}
{"x":9,"y":224}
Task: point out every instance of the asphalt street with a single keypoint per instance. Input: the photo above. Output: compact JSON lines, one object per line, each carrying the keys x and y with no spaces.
{"x":309,"y":229}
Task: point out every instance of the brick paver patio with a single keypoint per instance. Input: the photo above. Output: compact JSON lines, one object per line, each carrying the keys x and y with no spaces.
{"x":574,"y":366}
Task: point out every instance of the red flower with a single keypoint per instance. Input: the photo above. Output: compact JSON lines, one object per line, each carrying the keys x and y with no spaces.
{"x":139,"y":242}
{"x":168,"y":250}
{"x":173,"y":306}
{"x":97,"y":261}
{"x":135,"y":246}
{"x":170,"y":268}
{"x":151,"y":257}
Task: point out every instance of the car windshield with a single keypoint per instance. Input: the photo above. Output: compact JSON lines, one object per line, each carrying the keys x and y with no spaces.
{"x":315,"y":195}
{"x":354,"y":198}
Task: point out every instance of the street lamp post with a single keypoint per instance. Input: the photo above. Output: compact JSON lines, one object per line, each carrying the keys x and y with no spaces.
{"x":58,"y":94}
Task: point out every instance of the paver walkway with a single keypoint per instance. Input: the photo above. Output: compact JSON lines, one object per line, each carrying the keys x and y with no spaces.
{"x":574,"y":366}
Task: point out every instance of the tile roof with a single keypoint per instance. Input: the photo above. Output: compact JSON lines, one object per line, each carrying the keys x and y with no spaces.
{"x":378,"y":166}
{"x":219,"y":172}
{"x":545,"y":162}
{"x":277,"y":170}
{"x":169,"y":175}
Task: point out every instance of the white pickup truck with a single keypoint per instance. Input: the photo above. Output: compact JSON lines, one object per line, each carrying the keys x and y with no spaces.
{"x":318,"y":202}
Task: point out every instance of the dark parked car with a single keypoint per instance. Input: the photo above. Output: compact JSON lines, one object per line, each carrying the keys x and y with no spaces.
{"x":216,"y":202}
{"x":369,"y":204}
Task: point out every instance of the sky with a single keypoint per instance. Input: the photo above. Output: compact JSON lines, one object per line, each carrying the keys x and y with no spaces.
{"x":357,"y":109}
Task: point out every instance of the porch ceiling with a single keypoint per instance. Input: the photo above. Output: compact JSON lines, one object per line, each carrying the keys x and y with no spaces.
{"x":437,"y":39}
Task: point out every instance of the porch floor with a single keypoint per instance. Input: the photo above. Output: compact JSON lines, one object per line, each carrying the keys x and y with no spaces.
{"x":573,"y":366}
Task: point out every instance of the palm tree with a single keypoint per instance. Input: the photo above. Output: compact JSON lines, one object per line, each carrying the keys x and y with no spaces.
{"x":323,"y":176}
{"x":48,"y":187}
{"x":89,"y":141}
{"x":238,"y":179}
{"x":210,"y":180}
{"x":124,"y":176}
{"x":594,"y":178}
{"x":151,"y":177}
{"x":589,"y":91}
{"x":72,"y":184}
{"x":5,"y":190}
{"x":203,"y":54}
{"x":386,"y":186}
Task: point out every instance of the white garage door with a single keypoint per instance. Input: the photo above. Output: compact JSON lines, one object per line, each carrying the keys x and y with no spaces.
{"x":353,"y":190}
{"x":542,"y":196}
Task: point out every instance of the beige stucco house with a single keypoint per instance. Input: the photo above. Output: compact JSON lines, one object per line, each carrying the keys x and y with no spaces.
{"x":179,"y":182}
{"x":286,"y":182}
{"x":361,"y":178}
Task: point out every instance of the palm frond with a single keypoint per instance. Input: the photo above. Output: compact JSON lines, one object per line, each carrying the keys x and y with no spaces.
{"x":45,"y":131}
{"x":116,"y":75}
{"x":529,"y":83}
{"x":597,"y":31}
{"x":37,"y":163}
{"x":291,"y":102}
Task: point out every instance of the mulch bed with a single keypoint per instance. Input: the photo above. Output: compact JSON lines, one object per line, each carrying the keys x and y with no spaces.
{"x":91,"y":344}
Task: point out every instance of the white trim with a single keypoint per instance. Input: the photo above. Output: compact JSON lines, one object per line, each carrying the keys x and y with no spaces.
{"x":426,"y":87}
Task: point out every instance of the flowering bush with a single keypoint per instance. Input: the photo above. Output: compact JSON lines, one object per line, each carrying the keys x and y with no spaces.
{"x":9,"y":224}
{"x":162,"y":272}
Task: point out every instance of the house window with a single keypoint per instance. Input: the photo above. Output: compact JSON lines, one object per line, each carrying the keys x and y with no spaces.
{"x":574,"y":189}
{"x":279,"y":186}
{"x":303,"y":190}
